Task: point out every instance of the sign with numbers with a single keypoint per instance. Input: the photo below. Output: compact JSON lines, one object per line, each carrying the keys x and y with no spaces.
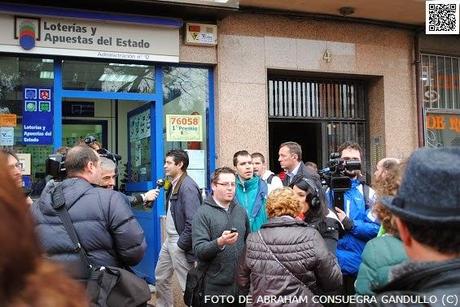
{"x":184,"y":128}
{"x":37,"y":120}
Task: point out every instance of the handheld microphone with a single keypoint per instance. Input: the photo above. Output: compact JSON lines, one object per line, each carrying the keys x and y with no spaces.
{"x":160,"y":183}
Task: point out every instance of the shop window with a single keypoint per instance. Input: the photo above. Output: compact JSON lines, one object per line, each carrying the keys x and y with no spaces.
{"x":108,"y":77}
{"x":440,"y":84}
{"x":16,"y":73}
{"x":186,"y":98}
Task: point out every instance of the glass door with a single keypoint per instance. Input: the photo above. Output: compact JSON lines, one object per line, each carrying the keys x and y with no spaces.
{"x":140,"y":166}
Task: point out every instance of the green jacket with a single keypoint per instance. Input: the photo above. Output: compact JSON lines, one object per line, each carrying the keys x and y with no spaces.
{"x":379,"y":256}
{"x":252,"y":196}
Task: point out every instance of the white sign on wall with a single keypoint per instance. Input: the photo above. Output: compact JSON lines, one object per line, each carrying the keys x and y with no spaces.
{"x":6,"y":136}
{"x":200,"y":34}
{"x":75,"y":37}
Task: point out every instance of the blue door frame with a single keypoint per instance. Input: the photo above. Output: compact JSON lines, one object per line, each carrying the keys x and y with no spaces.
{"x":150,"y":221}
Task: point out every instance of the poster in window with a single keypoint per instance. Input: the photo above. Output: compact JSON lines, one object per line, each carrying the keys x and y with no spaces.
{"x":184,"y":128}
{"x":25,"y":161}
{"x":442,"y":128}
{"x":6,"y":136}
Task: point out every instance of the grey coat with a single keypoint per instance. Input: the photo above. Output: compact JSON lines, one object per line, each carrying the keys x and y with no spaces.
{"x":208,"y":224}
{"x":301,"y":250}
{"x":104,"y":223}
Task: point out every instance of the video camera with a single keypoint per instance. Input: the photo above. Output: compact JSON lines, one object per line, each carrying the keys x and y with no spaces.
{"x":55,"y":167}
{"x":335,"y":177}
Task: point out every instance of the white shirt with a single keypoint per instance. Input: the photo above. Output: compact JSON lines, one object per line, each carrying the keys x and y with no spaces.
{"x":293,"y":173}
{"x":276,"y":181}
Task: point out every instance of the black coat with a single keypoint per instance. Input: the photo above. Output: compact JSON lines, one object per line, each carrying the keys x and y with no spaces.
{"x":104,"y":223}
{"x":303,"y":170}
{"x":301,"y":249}
{"x":426,"y":283}
{"x":185,"y":200}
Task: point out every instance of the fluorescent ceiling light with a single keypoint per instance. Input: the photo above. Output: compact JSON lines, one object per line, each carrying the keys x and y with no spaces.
{"x":117,"y":78}
{"x":46,"y":75}
{"x":128,"y":65}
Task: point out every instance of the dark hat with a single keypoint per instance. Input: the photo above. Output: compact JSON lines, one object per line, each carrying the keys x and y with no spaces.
{"x":430,"y":189}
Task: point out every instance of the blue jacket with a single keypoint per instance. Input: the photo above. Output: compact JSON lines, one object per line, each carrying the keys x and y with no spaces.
{"x":365,"y":227}
{"x":185,"y":200}
{"x":252,"y":196}
{"x":104,"y":223}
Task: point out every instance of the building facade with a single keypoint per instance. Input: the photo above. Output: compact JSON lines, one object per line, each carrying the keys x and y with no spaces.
{"x":214,"y":83}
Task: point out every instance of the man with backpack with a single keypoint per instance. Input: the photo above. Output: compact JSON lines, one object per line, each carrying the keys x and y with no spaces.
{"x":260,"y":169}
{"x":356,"y":216}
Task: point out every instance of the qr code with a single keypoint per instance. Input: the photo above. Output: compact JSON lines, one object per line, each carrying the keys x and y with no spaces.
{"x":442,"y":17}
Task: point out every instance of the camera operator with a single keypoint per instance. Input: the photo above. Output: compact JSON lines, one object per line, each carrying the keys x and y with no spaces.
{"x":109,"y":175}
{"x":356,"y":216}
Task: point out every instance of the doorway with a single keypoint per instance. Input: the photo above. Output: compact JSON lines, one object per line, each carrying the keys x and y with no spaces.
{"x":307,"y":134}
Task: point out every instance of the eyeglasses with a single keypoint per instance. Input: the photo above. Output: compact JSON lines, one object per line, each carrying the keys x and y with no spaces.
{"x":227,"y":184}
{"x":15,"y":166}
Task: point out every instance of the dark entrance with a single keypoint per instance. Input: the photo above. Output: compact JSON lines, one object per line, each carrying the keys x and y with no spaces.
{"x":308,"y":135}
{"x":319,"y":113}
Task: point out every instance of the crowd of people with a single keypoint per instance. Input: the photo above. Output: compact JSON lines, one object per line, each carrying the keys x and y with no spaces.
{"x":257,"y":239}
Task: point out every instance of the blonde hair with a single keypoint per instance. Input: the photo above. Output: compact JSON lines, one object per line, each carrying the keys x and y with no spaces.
{"x":388,"y":184}
{"x":283,"y":201}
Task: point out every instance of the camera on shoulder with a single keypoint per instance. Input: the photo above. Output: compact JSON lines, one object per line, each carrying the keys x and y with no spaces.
{"x":335,"y":176}
{"x":54,"y":166}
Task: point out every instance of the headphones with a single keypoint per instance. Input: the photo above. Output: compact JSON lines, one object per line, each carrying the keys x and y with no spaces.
{"x":313,"y":194}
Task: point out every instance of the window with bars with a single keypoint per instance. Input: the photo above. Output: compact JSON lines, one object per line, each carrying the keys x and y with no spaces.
{"x":440,"y":80}
{"x":440,"y":85}
{"x":339,"y":105}
{"x":326,"y":99}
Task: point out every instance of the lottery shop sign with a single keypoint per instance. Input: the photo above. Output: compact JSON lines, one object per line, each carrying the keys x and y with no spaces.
{"x":184,"y":128}
{"x":37,"y":116}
